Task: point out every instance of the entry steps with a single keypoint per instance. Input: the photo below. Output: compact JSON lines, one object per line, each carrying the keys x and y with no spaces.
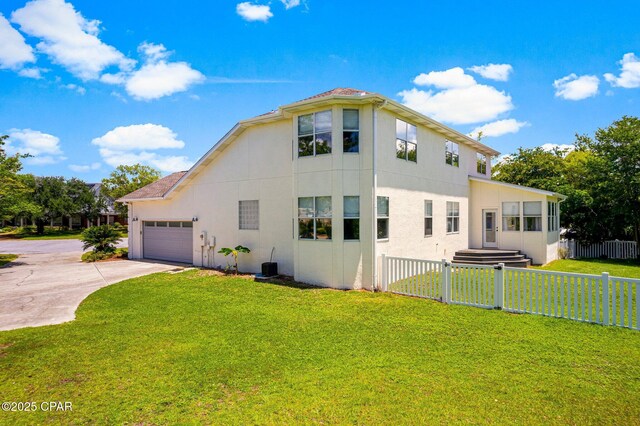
{"x":492,"y":257}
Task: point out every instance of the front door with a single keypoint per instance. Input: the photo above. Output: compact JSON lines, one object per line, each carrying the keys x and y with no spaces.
{"x":489,"y":228}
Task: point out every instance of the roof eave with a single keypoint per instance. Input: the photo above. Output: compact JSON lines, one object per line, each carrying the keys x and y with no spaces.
{"x":523,"y":188}
{"x":131,"y":200}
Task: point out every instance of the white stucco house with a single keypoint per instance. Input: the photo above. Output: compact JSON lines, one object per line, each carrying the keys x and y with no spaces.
{"x":329,"y":184}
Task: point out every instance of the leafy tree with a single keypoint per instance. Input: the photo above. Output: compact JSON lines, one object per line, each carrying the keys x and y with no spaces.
{"x":83,"y":199}
{"x":533,"y":167}
{"x":126,"y":179}
{"x":50,"y":194}
{"x":234,"y":252}
{"x":102,"y":238}
{"x":14,"y":192}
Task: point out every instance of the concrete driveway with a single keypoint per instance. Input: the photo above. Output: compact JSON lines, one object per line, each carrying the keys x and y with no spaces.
{"x":48,"y":281}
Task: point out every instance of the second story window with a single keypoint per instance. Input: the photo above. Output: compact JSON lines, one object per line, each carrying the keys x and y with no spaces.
{"x":314,"y":134}
{"x":406,"y":141}
{"x":482,"y":163}
{"x":452,"y":154}
{"x":350,"y":130}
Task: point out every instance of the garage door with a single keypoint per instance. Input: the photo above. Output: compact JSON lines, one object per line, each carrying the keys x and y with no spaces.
{"x":171,"y":241}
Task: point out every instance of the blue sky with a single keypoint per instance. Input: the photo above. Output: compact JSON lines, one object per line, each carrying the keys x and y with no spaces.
{"x":87,"y":85}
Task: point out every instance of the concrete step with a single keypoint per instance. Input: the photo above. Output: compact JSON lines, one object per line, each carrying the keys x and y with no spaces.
{"x":489,"y":258}
{"x":487,"y":252}
{"x":523,"y":263}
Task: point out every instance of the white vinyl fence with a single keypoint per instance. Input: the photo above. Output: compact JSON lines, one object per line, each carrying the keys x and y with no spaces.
{"x":598,"y":299}
{"x":611,"y":249}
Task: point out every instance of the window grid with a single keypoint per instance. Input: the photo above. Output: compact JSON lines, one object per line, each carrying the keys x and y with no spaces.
{"x":452,"y":154}
{"x":406,"y":141}
{"x":314,"y":134}
{"x":453,"y":217}
{"x":314,"y":218}
{"x":428,"y":218}
{"x":249,"y":215}
{"x":350,"y":130}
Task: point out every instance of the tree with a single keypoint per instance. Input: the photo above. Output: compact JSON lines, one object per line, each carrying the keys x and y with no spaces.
{"x":84,"y":201}
{"x":102,"y":238}
{"x":50,"y":194}
{"x":126,"y":179}
{"x":615,"y":173}
{"x":533,"y":167}
{"x":14,"y":191}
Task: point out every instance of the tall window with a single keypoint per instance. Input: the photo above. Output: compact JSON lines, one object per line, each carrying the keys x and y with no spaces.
{"x":351,"y":218}
{"x":314,"y":218}
{"x":510,"y":216}
{"x":350,"y":130}
{"x":453,"y":217}
{"x":383,"y":218}
{"x":552,"y":216}
{"x":428,"y":218}
{"x":406,"y":141}
{"x":314,"y":134}
{"x":249,"y":214}
{"x":481,"y":163}
{"x":452,"y":155}
{"x":532,"y":215}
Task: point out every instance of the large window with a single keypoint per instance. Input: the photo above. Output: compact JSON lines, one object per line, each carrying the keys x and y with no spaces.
{"x":481,"y":161}
{"x":352,"y":218}
{"x":314,"y":218}
{"x":314,"y":134}
{"x":453,"y":217}
{"x":532,"y":215}
{"x":249,"y":214}
{"x":552,"y":216}
{"x":510,"y":216}
{"x":428,"y":218}
{"x":406,"y":141}
{"x":383,"y":218}
{"x":350,"y":130}
{"x":452,"y":154}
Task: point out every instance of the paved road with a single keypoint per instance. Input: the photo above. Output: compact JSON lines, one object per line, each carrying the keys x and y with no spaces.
{"x":48,"y":281}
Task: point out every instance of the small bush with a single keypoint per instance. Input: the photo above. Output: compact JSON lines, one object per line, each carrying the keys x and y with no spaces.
{"x":92,"y":256}
{"x":102,"y":238}
{"x":563,"y":253}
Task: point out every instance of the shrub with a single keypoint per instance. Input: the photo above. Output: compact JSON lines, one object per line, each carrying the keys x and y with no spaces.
{"x":563,"y":253}
{"x":234,"y":252}
{"x":102,"y":238}
{"x":92,"y":256}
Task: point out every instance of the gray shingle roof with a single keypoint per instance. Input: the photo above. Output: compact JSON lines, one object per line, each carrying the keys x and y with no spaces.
{"x":154,"y":190}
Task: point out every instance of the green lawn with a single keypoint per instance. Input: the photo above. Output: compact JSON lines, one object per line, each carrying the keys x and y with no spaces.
{"x":49,"y":234}
{"x":616,"y":268}
{"x":192,"y":348}
{"x":6,"y":258}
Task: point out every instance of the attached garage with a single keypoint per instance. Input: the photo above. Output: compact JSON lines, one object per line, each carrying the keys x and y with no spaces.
{"x":168,"y":240}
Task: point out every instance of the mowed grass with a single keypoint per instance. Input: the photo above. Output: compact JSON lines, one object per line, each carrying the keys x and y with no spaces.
{"x":191,"y":348}
{"x":50,"y":233}
{"x":615,"y":268}
{"x":6,"y":258}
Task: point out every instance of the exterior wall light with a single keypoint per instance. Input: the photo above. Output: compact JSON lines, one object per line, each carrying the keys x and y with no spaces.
{"x":194,"y":219}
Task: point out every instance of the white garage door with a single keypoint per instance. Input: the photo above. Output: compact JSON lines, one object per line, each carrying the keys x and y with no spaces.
{"x":171,"y":241}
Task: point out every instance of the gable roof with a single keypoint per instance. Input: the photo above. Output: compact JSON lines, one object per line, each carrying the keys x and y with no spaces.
{"x":155,"y":190}
{"x":343,"y":94}
{"x":520,"y":187}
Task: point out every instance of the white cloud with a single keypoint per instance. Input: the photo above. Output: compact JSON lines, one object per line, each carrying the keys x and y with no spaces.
{"x":74,"y":87}
{"x":156,"y":80}
{"x":84,"y":168}
{"x":574,"y":88}
{"x":630,"y":74}
{"x":461,"y":99}
{"x":68,"y":38}
{"x":254,"y":12}
{"x":43,"y":148}
{"x":449,"y":79}
{"x":498,"y":128}
{"x":498,"y":72}
{"x":35,"y":73}
{"x":153,"y":52}
{"x":288,"y":4}
{"x":14,"y":51}
{"x":135,"y":143}
{"x":551,"y":146}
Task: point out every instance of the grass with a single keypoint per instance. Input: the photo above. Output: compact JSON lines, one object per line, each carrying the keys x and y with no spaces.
{"x":50,"y":233}
{"x":195,"y":348}
{"x":6,"y":258}
{"x":615,"y":268}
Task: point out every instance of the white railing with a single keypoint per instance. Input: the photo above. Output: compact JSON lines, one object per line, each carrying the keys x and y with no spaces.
{"x":611,"y":249}
{"x":597,"y":299}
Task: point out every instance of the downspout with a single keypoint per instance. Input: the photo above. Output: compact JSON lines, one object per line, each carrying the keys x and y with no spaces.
{"x":374,"y":221}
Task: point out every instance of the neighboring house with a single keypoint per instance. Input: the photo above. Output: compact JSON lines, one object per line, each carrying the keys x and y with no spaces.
{"x":108,"y":215}
{"x":331,"y":183}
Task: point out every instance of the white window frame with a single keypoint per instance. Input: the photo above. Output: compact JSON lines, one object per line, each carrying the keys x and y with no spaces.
{"x":509,"y":215}
{"x":406,"y":140}
{"x":428,"y":214}
{"x":380,"y":216}
{"x":314,"y":133}
{"x":350,"y":217}
{"x":481,"y":163}
{"x":345,"y":129}
{"x":454,"y":219}
{"x":552,"y":216}
{"x":315,"y":217}
{"x":249,"y":205}
{"x":452,"y":153}
{"x":526,"y":216}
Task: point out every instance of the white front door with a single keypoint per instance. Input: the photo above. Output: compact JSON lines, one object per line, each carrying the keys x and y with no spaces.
{"x":489,"y":228}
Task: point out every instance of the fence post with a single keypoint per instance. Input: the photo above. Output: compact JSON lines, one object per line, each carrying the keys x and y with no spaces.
{"x":498,"y":286}
{"x":384,"y":273}
{"x":605,"y":298}
{"x":446,"y":281}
